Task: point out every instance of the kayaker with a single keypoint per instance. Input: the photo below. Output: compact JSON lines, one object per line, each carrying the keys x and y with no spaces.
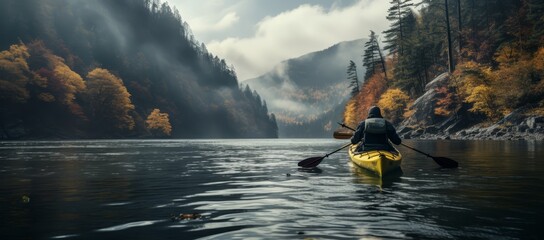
{"x":375,"y":132}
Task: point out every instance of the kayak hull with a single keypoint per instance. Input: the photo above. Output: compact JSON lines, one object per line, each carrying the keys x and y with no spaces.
{"x":380,"y":162}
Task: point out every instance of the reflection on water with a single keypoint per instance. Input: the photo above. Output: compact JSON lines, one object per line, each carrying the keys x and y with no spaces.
{"x":365,"y":176}
{"x":254,"y":189}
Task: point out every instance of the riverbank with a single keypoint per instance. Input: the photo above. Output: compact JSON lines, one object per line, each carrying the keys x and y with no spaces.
{"x":522,"y":124}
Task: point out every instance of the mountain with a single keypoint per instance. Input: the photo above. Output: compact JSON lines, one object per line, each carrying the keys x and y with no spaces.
{"x":98,"y":69}
{"x":308,"y":93}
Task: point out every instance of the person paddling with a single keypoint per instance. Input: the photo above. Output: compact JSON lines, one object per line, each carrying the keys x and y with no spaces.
{"x":375,"y":132}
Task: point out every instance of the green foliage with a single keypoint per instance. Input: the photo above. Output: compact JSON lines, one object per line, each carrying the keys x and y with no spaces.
{"x":353,"y":79}
{"x":395,"y":35}
{"x":373,"y":58}
{"x":498,"y":49}
{"x":144,"y":42}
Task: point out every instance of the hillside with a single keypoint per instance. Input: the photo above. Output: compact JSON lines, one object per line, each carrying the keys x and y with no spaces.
{"x":305,"y":92}
{"x":475,"y":74}
{"x":57,"y":56}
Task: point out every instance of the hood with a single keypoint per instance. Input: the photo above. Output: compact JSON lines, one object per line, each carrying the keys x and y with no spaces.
{"x":374,"y":112}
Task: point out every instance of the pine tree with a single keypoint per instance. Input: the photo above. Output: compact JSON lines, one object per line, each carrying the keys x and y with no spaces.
{"x":373,"y":57}
{"x":396,"y":33}
{"x":354,"y":79}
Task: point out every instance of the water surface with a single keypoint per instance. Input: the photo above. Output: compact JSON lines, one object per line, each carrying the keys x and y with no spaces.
{"x":240,"y":189}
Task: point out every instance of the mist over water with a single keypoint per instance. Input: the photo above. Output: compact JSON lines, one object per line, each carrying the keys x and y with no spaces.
{"x":253,"y":188}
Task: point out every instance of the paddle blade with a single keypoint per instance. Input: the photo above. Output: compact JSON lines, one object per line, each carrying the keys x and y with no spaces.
{"x":446,"y":162}
{"x":310,"y":162}
{"x":342,"y":135}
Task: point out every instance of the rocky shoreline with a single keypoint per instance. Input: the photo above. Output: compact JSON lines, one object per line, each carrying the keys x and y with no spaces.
{"x":531,"y":128}
{"x":465,"y":125}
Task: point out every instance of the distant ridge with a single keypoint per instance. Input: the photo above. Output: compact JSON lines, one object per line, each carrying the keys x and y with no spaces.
{"x":301,"y":90}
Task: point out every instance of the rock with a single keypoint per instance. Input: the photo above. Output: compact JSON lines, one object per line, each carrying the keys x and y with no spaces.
{"x":424,"y":106}
{"x":403,"y":130}
{"x":531,"y":122}
{"x":431,"y":130}
{"x":439,"y":81}
{"x":520,"y":128}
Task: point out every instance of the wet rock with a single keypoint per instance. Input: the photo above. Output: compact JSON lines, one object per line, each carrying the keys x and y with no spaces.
{"x":431,"y":130}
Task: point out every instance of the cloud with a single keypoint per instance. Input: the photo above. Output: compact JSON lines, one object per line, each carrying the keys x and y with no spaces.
{"x":208,"y":25}
{"x":299,"y":31}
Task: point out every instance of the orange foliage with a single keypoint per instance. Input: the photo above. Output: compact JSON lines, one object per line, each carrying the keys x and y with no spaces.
{"x":159,"y":121}
{"x":357,"y":108}
{"x":110,"y":99}
{"x":447,"y":101}
{"x":60,"y":81}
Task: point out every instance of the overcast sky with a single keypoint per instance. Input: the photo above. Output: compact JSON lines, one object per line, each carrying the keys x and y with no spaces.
{"x":255,"y":35}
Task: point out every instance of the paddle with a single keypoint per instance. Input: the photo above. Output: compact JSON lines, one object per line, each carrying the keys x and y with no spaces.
{"x":442,"y":161}
{"x":314,"y":161}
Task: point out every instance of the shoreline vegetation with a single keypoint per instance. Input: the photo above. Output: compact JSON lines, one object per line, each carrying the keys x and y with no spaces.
{"x":459,"y":69}
{"x":75,"y":69}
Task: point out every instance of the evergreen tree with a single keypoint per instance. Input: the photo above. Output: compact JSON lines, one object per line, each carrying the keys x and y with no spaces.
{"x":373,"y":57}
{"x":354,"y":79}
{"x":395,"y":35}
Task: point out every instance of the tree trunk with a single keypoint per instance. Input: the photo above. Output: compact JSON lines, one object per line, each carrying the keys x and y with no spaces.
{"x":459,"y":26}
{"x":382,"y":61}
{"x":451,"y":67}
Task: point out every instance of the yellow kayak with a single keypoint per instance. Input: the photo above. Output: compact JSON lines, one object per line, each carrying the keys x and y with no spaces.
{"x":380,"y":162}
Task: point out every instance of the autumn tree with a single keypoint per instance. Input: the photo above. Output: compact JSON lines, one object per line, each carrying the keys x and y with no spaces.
{"x":477,"y":86}
{"x":393,"y":104}
{"x":14,"y":78}
{"x":357,"y":107}
{"x":14,"y":74}
{"x":157,"y":121}
{"x":109,"y":99}
{"x":353,"y":78}
{"x":62,"y":83}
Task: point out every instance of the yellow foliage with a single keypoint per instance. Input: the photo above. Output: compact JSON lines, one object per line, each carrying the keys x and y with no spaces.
{"x":350,"y":117}
{"x":159,"y":121}
{"x":484,"y":101}
{"x":109,"y":98}
{"x":507,"y":54}
{"x":14,"y":74}
{"x":70,"y":80}
{"x":479,"y":85}
{"x":393,"y":104}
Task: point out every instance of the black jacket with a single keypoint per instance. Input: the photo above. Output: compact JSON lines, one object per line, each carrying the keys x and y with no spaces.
{"x":376,"y":139}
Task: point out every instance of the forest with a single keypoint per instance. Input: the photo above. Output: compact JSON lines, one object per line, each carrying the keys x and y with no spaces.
{"x":116,"y":69}
{"x":492,"y":49}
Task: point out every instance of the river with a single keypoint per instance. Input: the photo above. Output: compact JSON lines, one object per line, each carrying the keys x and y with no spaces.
{"x":253,"y":189}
